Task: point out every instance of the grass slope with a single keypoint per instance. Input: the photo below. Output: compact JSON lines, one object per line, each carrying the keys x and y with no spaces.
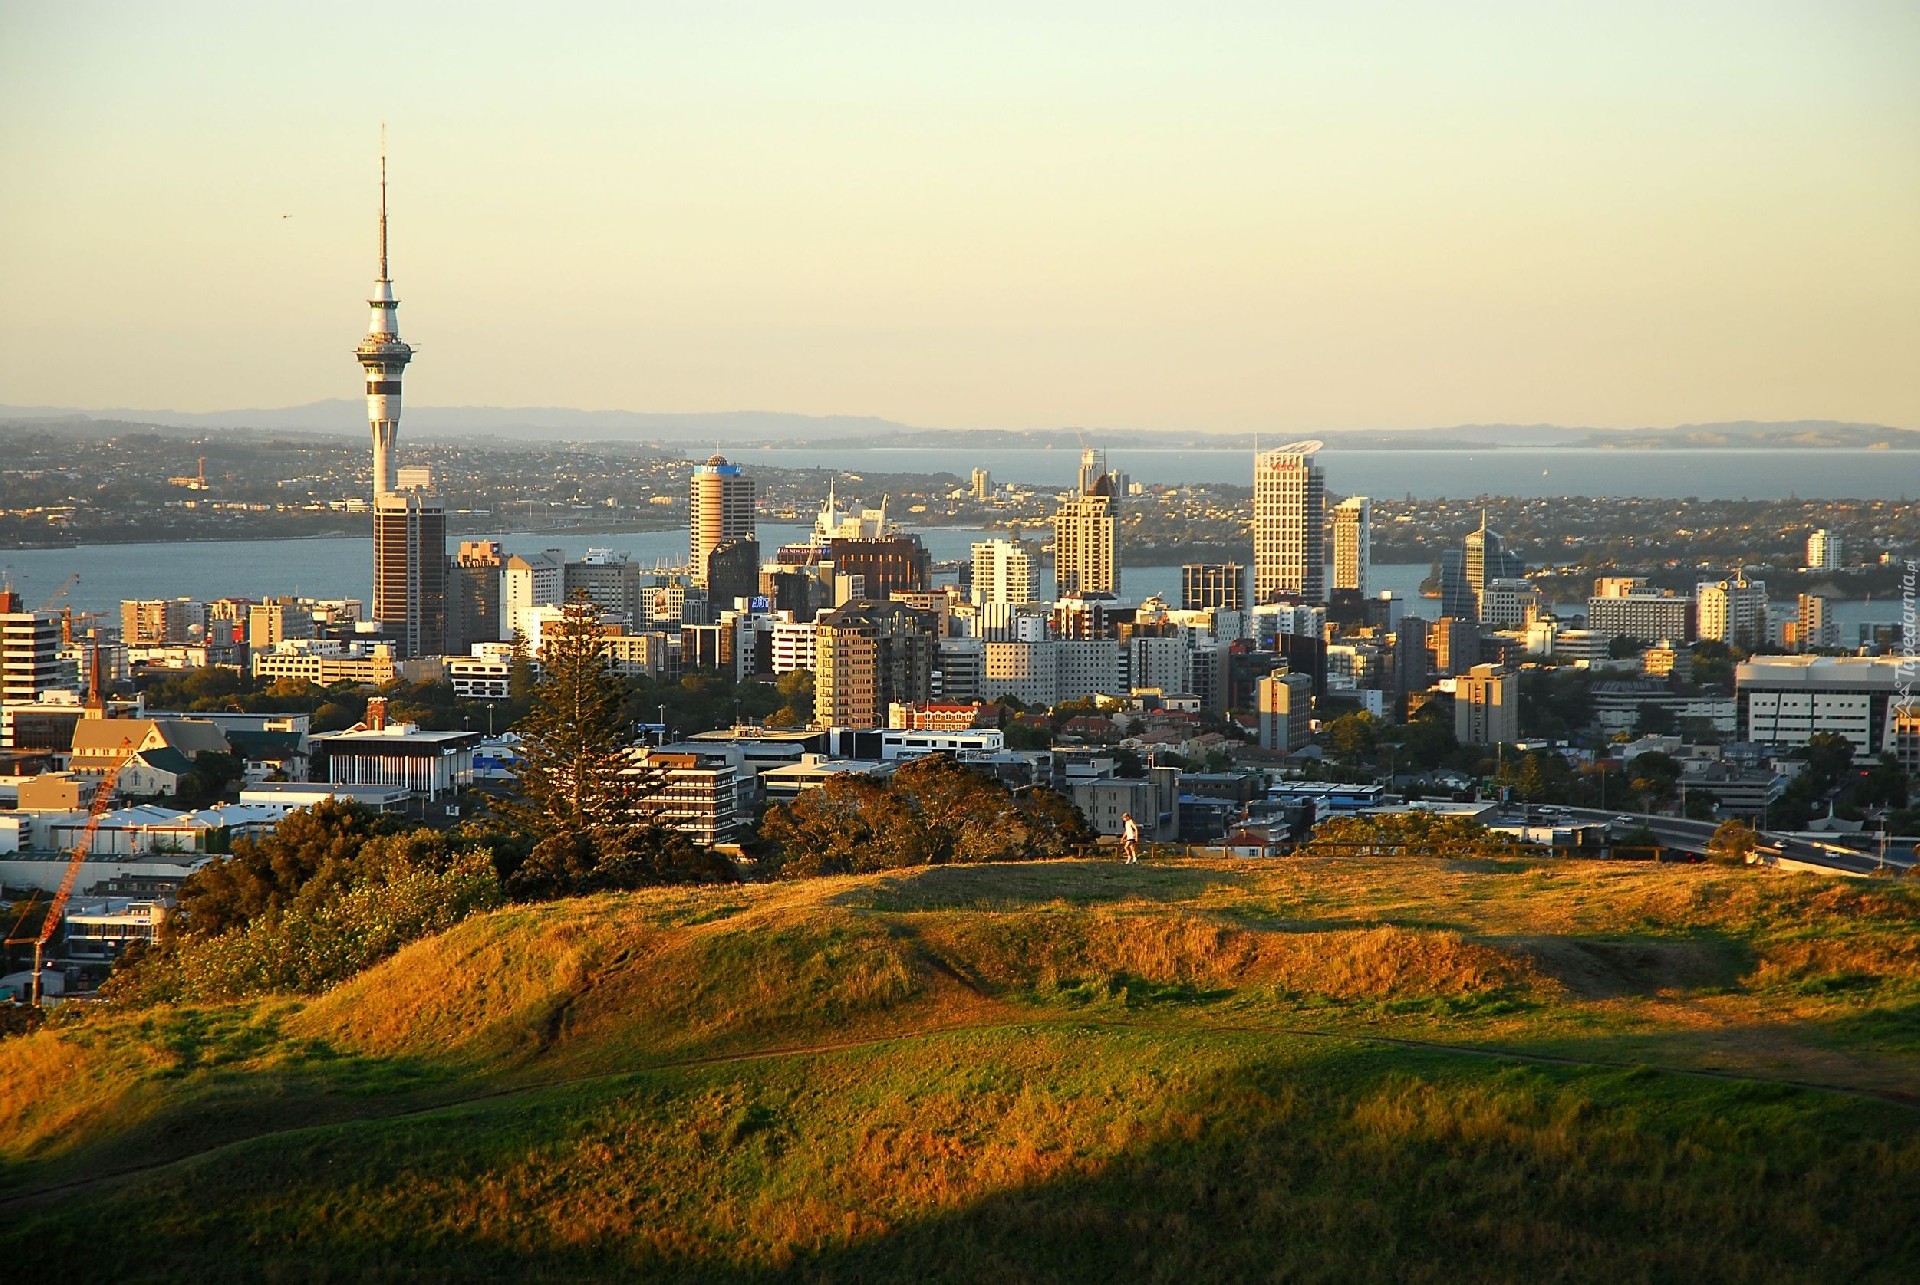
{"x":1319,"y":1069}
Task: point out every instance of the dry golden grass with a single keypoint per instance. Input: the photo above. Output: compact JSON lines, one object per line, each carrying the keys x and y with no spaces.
{"x":1688,"y":964}
{"x":1050,"y":950}
{"x":956,"y":1073}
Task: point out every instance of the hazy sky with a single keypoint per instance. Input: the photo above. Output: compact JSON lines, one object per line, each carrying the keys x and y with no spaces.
{"x":1262,"y":216}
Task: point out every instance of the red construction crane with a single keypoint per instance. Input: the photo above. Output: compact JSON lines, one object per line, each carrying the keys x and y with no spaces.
{"x":59,"y":593}
{"x":102,"y":802}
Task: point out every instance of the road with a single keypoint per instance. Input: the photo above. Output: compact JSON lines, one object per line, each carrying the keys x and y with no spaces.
{"x":1692,"y":836}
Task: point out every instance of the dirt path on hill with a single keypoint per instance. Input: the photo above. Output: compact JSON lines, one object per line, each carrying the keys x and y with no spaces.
{"x":29,"y":1199}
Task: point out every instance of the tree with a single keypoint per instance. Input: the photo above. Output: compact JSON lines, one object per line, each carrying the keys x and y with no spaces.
{"x":576,"y":769}
{"x":1423,"y":834}
{"x":1713,"y":663}
{"x":1883,"y":785}
{"x":1538,"y":777}
{"x":932,"y":811}
{"x":312,"y":852}
{"x":1427,"y":739}
{"x":1355,"y":735}
{"x":521,"y":679}
{"x":1733,"y":843}
{"x":795,"y":689}
{"x":582,"y":791}
{"x":1655,"y":776}
{"x":1653,"y":719}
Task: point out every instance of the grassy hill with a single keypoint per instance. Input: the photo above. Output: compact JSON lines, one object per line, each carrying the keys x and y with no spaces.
{"x":1321,"y":1068}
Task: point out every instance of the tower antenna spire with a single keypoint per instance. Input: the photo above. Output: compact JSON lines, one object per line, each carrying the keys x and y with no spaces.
{"x":383,"y":201}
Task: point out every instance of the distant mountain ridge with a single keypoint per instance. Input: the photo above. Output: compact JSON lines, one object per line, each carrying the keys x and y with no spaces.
{"x":735,"y":429}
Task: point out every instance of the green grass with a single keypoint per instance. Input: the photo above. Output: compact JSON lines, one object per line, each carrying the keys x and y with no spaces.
{"x":1323,"y":1069}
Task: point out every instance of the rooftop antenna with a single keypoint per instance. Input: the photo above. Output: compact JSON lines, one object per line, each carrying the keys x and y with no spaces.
{"x":383,"y":200}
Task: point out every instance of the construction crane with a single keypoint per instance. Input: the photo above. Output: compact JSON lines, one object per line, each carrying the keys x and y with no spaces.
{"x":68,"y":615}
{"x":102,"y":802}
{"x":59,"y":593}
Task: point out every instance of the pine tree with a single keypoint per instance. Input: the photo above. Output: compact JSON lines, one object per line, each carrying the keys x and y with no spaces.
{"x":582,"y":791}
{"x":577,"y":774}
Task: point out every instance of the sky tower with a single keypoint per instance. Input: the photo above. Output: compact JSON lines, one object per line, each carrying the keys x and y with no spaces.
{"x":383,"y":355}
{"x":409,"y":527}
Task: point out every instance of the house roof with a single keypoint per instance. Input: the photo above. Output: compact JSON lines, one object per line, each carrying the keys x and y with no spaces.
{"x":110,"y":737}
{"x":165,"y":759}
{"x":263,"y":744}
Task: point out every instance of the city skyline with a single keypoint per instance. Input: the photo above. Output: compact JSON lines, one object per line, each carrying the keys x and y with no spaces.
{"x":1635,"y":218}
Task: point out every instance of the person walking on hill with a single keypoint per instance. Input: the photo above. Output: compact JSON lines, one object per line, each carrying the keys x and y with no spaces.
{"x":1130,"y":838}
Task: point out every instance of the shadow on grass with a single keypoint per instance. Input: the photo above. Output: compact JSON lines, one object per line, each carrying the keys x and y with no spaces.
{"x":1343,"y":1164}
{"x":1267,"y":921}
{"x":1614,"y":966}
{"x":1014,"y":885}
{"x":234,"y":1078}
{"x":1894,"y":1029}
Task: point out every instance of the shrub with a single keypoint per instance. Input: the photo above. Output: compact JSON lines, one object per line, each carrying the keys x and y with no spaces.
{"x":306,"y":949}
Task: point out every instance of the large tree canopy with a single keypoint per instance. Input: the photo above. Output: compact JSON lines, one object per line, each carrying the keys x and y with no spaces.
{"x":931,"y":811}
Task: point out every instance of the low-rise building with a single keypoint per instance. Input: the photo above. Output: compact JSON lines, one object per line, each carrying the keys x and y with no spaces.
{"x":1787,"y":700}
{"x":325,"y":662}
{"x":1153,"y":801}
{"x":932,"y":718}
{"x":694,"y":793}
{"x":1284,"y":705}
{"x":103,"y":927}
{"x":483,"y":678}
{"x":425,"y":763}
{"x":812,"y":771}
{"x":1486,"y":706}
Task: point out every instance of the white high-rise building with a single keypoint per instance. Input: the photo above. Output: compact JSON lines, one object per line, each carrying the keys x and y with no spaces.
{"x":1352,"y":543}
{"x":29,"y":653}
{"x":1002,"y":572}
{"x":1289,"y":525}
{"x":528,"y":582}
{"x":1823,"y":551}
{"x":1732,"y":611}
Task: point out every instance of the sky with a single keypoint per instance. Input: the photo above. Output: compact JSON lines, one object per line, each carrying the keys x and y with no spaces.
{"x":1273,"y":217}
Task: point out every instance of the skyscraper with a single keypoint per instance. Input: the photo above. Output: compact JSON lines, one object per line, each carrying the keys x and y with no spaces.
{"x":719,"y":508}
{"x":1815,"y":626}
{"x":1487,"y":559}
{"x":1083,"y":537}
{"x":868,"y":655}
{"x":1093,"y":467}
{"x":409,"y":527}
{"x":1352,"y":543}
{"x":1289,"y":525}
{"x":1486,"y":706}
{"x":410,"y":571}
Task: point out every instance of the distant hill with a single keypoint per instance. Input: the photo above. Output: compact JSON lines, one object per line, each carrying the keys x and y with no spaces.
{"x":780,"y":428}
{"x":343,"y":415}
